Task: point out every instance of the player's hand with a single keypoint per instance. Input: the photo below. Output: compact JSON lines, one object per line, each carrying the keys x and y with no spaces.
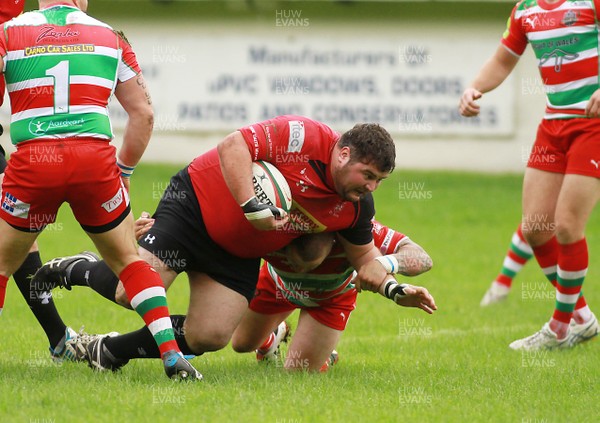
{"x":143,"y":225}
{"x":593,"y":106}
{"x":264,"y":217}
{"x":467,"y":106}
{"x":370,"y":276}
{"x":409,"y":296}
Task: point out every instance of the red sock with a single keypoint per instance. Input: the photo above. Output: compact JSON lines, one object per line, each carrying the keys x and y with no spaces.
{"x":517,"y":255}
{"x":547,"y":257}
{"x":3,"y":283}
{"x":146,"y":290}
{"x":572,"y":268}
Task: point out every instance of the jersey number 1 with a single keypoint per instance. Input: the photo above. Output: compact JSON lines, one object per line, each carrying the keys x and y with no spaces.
{"x":60,"y":72}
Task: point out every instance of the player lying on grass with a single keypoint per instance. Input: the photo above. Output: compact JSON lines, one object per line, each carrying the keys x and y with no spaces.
{"x":210,"y":224}
{"x":312,"y":274}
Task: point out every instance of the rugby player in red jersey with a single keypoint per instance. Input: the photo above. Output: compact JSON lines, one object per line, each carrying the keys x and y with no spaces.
{"x":312,"y":274}
{"x":210,"y":224}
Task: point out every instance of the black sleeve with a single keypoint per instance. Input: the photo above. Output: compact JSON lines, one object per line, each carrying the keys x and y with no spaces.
{"x":360,"y":232}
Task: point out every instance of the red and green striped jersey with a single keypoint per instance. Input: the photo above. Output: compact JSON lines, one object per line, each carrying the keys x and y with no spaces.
{"x":564,"y":38}
{"x":333,"y":276}
{"x":61,"y":68}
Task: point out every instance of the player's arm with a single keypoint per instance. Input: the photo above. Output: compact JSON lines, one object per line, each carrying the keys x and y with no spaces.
{"x":236,"y":166}
{"x":372,"y":276}
{"x":491,"y":75}
{"x":368,"y":277}
{"x":412,"y":259}
{"x":135,"y":99}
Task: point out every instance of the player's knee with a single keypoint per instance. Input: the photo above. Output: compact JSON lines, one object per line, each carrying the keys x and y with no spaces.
{"x":568,"y":231}
{"x":535,"y":236}
{"x":207,"y":340}
{"x":241,"y":344}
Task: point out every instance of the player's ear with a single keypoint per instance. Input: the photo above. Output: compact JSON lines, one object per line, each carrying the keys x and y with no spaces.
{"x":344,"y":155}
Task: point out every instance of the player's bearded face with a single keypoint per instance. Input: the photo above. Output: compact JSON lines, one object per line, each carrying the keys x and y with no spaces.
{"x":356,"y":179}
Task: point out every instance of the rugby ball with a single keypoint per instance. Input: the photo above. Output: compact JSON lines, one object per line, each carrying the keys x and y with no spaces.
{"x":270,"y":186}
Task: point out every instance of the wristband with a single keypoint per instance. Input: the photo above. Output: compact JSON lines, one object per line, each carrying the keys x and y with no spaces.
{"x":126,"y":171}
{"x":393,"y":290}
{"x":254,"y":210}
{"x":389,"y":263}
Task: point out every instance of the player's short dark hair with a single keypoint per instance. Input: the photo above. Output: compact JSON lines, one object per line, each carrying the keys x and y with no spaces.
{"x":370,"y":143}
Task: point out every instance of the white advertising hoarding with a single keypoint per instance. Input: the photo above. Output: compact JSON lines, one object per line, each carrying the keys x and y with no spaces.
{"x":206,"y":82}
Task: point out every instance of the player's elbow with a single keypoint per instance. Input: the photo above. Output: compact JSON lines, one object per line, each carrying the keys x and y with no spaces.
{"x":146,"y":116}
{"x":233,"y":147}
{"x":227,"y":143}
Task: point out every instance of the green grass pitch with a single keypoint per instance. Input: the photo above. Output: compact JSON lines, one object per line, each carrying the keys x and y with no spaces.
{"x":396,"y":364}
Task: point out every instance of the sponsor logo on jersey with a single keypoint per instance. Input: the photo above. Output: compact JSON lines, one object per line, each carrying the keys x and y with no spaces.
{"x":296,"y":139}
{"x":15,"y":207}
{"x":51,"y":32}
{"x":51,"y":49}
{"x":559,"y":56}
{"x":300,"y":220}
{"x":385,"y":245}
{"x":570,"y":18}
{"x":254,"y":142}
{"x":39,"y":127}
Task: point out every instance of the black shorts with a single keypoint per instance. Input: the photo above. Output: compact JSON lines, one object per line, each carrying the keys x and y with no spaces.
{"x":179,"y":238}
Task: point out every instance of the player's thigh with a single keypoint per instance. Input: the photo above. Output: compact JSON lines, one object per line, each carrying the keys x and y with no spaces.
{"x":14,"y":246}
{"x":578,"y":197}
{"x":213,"y":313}
{"x":254,"y":328}
{"x":117,"y":246}
{"x":540,"y":196}
{"x":311,"y":344}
